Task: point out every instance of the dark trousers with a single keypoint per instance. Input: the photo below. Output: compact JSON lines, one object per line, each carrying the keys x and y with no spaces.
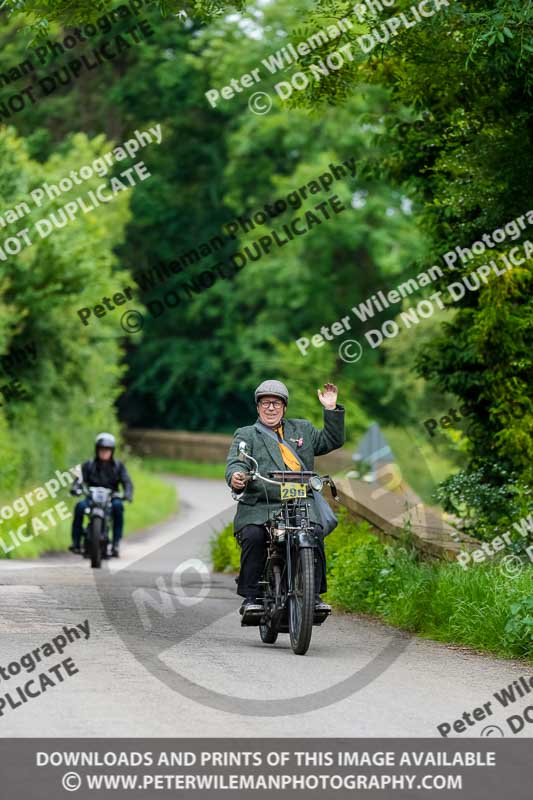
{"x":118,"y":521}
{"x":252,"y":540}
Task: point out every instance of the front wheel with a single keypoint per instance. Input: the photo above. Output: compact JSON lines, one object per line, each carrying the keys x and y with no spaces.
{"x":302,"y":601}
{"x":95,"y":541}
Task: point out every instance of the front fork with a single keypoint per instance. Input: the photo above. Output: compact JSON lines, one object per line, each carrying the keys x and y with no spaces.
{"x":277,"y":564}
{"x":305,"y":541}
{"x":277,"y":584}
{"x":104,"y":516}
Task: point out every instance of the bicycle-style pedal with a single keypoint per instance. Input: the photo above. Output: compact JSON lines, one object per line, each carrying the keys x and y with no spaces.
{"x":252,"y":618}
{"x":320,"y":616}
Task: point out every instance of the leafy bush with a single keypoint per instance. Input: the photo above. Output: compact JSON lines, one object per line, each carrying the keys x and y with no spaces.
{"x":345,"y":534}
{"x":75,"y":378}
{"x":225,"y":552}
{"x":488,"y":499}
{"x":481,"y":607}
{"x":360,"y":577}
{"x":519,"y":628}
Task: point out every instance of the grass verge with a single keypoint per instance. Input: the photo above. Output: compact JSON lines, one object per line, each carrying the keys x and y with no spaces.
{"x":187,"y":468}
{"x":154,"y":501}
{"x":480,"y":608}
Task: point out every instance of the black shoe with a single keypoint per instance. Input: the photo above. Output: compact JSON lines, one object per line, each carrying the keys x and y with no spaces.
{"x":320,"y":605}
{"x":74,"y":549}
{"x":250,"y":606}
{"x":114,"y":552}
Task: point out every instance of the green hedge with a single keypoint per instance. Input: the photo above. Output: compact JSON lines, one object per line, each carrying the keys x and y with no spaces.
{"x":225,"y":552}
{"x":480,"y":607}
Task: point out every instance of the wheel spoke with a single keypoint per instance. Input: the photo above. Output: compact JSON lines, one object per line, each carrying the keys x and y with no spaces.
{"x":302,"y":601}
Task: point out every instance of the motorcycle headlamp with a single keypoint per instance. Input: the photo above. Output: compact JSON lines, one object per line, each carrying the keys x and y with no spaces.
{"x":316,"y":483}
{"x":100,"y":494}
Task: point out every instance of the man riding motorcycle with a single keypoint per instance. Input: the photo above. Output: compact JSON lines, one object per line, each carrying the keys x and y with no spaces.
{"x":271,"y":441}
{"x":104,"y":471}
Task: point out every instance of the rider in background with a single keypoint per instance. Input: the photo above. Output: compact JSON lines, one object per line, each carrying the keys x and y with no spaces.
{"x":104,"y":471}
{"x":271,"y":398}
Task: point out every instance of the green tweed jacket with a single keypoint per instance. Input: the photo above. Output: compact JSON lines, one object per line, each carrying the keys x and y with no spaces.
{"x":306,"y":440}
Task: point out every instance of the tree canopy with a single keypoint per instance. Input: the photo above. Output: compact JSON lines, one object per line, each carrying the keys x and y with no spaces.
{"x":437,"y":121}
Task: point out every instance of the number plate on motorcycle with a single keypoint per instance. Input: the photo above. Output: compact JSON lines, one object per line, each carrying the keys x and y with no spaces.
{"x":291,"y":490}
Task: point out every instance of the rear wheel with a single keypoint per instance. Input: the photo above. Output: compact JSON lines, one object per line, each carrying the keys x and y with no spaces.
{"x":267,"y":632}
{"x":302,"y":601}
{"x":95,"y":541}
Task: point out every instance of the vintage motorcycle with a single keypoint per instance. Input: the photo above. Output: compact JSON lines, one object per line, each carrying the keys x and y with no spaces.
{"x":95,"y":531}
{"x":288,"y":580}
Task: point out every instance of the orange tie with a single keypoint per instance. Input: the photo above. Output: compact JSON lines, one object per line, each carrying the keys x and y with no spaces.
{"x":289,"y":458}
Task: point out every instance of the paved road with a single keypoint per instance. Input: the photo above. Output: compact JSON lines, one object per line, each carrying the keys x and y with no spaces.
{"x":190,"y":670}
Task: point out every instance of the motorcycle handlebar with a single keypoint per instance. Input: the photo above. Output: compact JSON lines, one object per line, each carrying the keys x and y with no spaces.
{"x":254,"y":474}
{"x":85,"y":489}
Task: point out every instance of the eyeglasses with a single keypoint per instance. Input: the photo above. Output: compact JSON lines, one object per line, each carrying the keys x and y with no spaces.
{"x":274,"y":403}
